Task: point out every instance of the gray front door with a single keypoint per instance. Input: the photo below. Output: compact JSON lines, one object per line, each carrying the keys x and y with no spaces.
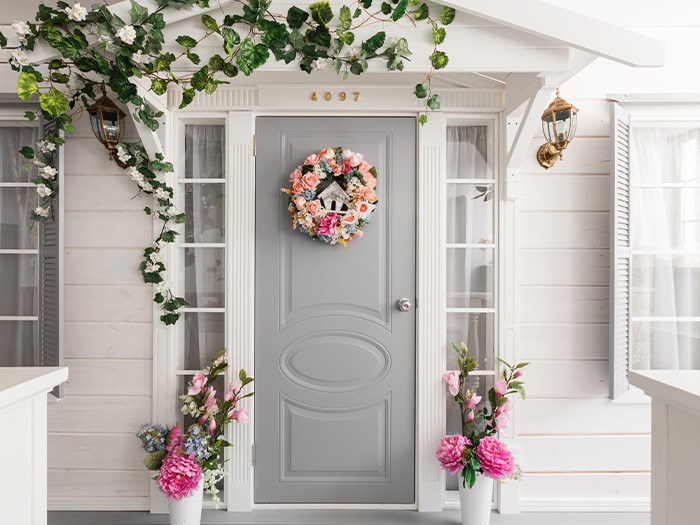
{"x":334,"y":356}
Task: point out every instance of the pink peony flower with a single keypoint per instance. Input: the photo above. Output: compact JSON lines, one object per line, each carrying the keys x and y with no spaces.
{"x":452,"y":380}
{"x":450,"y":452}
{"x":326,"y":226}
{"x":174,"y":439}
{"x":233,"y":390}
{"x":179,"y":476}
{"x":494,"y":457}
{"x":310,"y":180}
{"x":198,"y":384}
{"x":500,"y":387}
{"x":347,"y":166}
{"x":239,"y":414}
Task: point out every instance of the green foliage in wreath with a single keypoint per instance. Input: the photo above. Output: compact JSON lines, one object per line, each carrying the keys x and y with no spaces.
{"x":95,"y":45}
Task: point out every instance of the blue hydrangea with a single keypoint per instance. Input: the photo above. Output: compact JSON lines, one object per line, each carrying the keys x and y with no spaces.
{"x":309,"y":195}
{"x":325,"y":238}
{"x":197,"y":443}
{"x":351,"y":228}
{"x":325,"y":167}
{"x":152,"y":437}
{"x":339,"y":159}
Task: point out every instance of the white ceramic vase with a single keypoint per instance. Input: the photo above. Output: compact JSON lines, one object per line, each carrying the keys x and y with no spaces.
{"x":187,"y":511}
{"x":475,"y":502}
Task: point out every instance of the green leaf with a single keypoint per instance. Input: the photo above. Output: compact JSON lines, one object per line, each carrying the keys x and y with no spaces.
{"x":163,"y":62}
{"x":170,"y":318}
{"x":210,"y":23}
{"x":372,"y":44}
{"x":26,"y":85}
{"x":422,"y":12}
{"x":434,"y":102}
{"x":399,"y":10}
{"x":54,"y":102}
{"x":347,"y":37}
{"x":154,"y":460}
{"x":137,"y":13}
{"x":231,"y":40}
{"x":296,"y":17}
{"x":186,"y":41}
{"x":439,"y":59}
{"x":447,"y":15}
{"x":366,"y":3}
{"x":3,"y":40}
{"x":193,"y":57}
{"x":439,"y":34}
{"x":346,"y":18}
{"x":357,"y":13}
{"x":421,"y":91}
{"x":30,"y":115}
{"x":321,"y":12}
{"x":251,"y":56}
{"x":386,"y":8}
{"x":27,"y":152}
{"x":423,"y":119}
{"x":159,"y":86}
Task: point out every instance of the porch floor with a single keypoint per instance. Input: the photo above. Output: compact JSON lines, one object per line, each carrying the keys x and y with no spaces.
{"x":347,"y":517}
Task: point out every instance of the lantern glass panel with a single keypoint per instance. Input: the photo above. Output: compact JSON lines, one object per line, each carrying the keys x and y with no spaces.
{"x":97,"y":126}
{"x":111,"y":125}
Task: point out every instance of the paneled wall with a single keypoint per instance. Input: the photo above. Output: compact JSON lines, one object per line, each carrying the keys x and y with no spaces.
{"x":580,"y":450}
{"x":94,"y":458}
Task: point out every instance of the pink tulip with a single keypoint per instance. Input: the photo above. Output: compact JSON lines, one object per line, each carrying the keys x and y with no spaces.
{"x":503,"y":409}
{"x":452,"y":380}
{"x":240,"y":415}
{"x":212,"y":426}
{"x":470,"y":416}
{"x":473,"y":400}
{"x":197,"y":385}
{"x":500,"y":387}
{"x":233,"y":390}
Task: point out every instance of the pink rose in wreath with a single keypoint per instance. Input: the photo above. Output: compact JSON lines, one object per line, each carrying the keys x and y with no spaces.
{"x":310,"y":180}
{"x":313,"y":207}
{"x":326,"y":226}
{"x":298,"y":187}
{"x":179,"y":476}
{"x":295,"y":176}
{"x":312,"y":160}
{"x":494,"y":457}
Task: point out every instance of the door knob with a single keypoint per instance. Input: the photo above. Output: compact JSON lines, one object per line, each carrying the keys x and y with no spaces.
{"x":403,"y":304}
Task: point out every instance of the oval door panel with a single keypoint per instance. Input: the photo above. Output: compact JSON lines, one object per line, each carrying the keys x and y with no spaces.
{"x":335,"y":361}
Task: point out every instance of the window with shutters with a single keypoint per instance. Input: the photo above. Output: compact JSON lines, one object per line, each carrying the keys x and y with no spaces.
{"x":655,"y":232}
{"x":30,"y":269}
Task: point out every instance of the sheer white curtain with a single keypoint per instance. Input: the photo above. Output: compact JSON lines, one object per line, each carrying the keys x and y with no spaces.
{"x":665,"y":220}
{"x":204,"y":266}
{"x":18,"y":271}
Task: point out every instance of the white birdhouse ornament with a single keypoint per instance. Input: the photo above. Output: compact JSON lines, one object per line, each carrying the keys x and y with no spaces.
{"x":334,"y":198}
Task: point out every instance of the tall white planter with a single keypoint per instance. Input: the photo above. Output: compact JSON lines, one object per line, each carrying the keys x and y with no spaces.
{"x":475,"y":502}
{"x":187,"y":511}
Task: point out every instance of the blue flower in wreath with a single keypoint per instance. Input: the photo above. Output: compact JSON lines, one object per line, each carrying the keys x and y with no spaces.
{"x":351,"y":228}
{"x":324,"y":238}
{"x":309,"y":195}
{"x":326,"y":167}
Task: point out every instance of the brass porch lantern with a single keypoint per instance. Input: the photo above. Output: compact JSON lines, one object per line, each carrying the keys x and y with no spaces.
{"x":559,"y":128}
{"x":107,"y":121}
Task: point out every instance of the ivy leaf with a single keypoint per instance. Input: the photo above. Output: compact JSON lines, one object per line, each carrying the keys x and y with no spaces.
{"x":230,"y":70}
{"x":386,"y":8}
{"x":187,"y":97}
{"x":371,"y":45}
{"x":346,"y":17}
{"x":159,"y":86}
{"x":251,"y":56}
{"x":30,"y":115}
{"x":3,"y":40}
{"x":422,"y":12}
{"x":399,"y":10}
{"x":193,"y":57}
{"x":357,"y":13}
{"x":26,"y":85}
{"x":231,"y":40}
{"x":434,"y":102}
{"x":186,"y":41}
{"x":366,"y":3}
{"x":54,"y":102}
{"x":137,"y":13}
{"x":27,"y":152}
{"x":421,"y":90}
{"x":347,"y":37}
{"x":216,"y":63}
{"x":321,"y":12}
{"x":170,"y":318}
{"x":439,"y":34}
{"x":439,"y":59}
{"x":296,"y":17}
{"x":447,"y":15}
{"x":423,"y":119}
{"x":210,"y":23}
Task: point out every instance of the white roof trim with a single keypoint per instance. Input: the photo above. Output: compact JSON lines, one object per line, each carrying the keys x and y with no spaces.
{"x":570,"y":28}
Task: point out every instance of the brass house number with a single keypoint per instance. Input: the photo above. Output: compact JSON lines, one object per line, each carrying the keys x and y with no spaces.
{"x":342,"y":96}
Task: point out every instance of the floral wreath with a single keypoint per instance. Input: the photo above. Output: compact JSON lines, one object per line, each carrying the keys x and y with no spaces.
{"x":332,"y":195}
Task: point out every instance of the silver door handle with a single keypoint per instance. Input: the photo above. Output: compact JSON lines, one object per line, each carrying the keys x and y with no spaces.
{"x":403,"y":304}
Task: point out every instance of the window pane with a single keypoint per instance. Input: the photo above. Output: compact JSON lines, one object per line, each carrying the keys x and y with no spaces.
{"x":17,"y":342}
{"x":666,"y":218}
{"x":204,"y":151}
{"x":665,"y":345}
{"x":204,"y":338}
{"x":13,"y":166}
{"x":205,"y":206}
{"x":477,"y":331}
{"x":469,"y":153}
{"x":204,"y":277}
{"x":666,"y":286}
{"x":454,"y":420}
{"x":665,"y":155}
{"x":18,"y":290}
{"x":16,"y":205}
{"x":470,"y":277}
{"x":469,"y":216}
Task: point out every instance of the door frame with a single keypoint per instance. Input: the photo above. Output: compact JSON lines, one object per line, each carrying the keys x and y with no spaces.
{"x":240,"y":107}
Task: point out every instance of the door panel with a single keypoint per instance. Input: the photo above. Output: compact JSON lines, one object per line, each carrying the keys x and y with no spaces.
{"x":334,"y":357}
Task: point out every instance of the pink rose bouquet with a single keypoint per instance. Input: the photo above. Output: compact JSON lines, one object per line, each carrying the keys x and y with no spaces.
{"x":477,"y":450}
{"x":184,"y":459}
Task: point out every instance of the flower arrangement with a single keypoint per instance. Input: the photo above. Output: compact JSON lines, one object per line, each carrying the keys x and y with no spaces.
{"x":477,"y":450}
{"x":348,"y":183}
{"x":183,"y":460}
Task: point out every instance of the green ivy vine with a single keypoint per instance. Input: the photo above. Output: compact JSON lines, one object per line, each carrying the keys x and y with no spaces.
{"x":94,"y":46}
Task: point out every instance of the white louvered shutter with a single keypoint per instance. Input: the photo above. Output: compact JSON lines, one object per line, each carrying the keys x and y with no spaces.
{"x":620,"y":250}
{"x":51,"y":277}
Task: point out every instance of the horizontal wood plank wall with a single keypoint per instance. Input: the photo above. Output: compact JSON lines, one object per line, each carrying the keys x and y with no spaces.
{"x":579,"y":450}
{"x":94,"y":457}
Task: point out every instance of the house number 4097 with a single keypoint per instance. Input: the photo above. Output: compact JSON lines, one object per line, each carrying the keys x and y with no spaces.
{"x":342,"y":96}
